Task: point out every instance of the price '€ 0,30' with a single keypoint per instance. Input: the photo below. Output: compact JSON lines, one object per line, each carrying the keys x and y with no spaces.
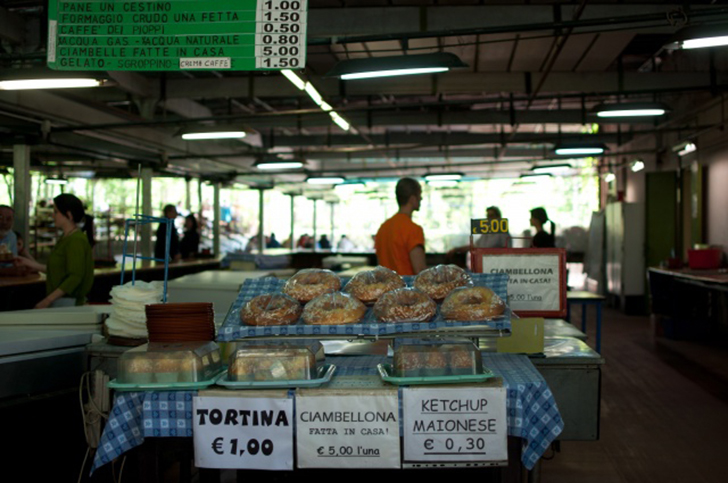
{"x":488,"y":226}
{"x":470,"y":445}
{"x":280,"y":37}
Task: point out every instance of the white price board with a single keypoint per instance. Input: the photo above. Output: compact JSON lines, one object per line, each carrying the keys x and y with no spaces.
{"x":243,"y":433}
{"x":537,"y":278}
{"x":348,"y":431}
{"x":455,"y":424}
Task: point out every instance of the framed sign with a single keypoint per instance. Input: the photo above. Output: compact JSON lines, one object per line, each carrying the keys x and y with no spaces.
{"x":537,"y":283}
{"x":142,"y":35}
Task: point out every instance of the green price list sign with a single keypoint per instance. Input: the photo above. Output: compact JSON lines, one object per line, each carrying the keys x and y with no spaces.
{"x":487,"y":226}
{"x":177,"y":35}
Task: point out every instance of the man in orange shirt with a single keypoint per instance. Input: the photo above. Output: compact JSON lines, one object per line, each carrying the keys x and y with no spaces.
{"x":400,"y":243}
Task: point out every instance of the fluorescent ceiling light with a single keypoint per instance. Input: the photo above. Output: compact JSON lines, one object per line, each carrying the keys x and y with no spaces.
{"x":687,"y":149}
{"x":325,"y":180}
{"x":271,"y":164}
{"x":374,"y":67}
{"x":443,"y":183}
{"x":59,"y":180}
{"x":196,"y":136}
{"x":533,"y":176}
{"x":340,"y":121}
{"x":554,"y":168}
{"x":295,"y":80}
{"x":394,"y":72}
{"x":21,"y":84}
{"x":630,"y":109}
{"x":313,"y":94}
{"x":443,"y":176}
{"x":700,"y":37}
{"x":609,"y":177}
{"x":638,"y":165}
{"x":579,"y":149}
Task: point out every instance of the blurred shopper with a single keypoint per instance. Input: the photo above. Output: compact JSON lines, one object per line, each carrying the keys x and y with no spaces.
{"x":400,"y":243}
{"x":345,"y":245}
{"x":70,"y":267}
{"x":542,"y":238}
{"x":324,"y":243}
{"x":189,"y":247}
{"x":7,"y":235}
{"x":272,"y":242}
{"x":170,"y":212}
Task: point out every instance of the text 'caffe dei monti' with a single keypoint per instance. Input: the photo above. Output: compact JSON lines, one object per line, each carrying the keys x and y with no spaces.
{"x":177,"y":35}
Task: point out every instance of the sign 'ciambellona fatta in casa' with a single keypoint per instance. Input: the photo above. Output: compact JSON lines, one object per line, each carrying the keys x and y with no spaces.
{"x":177,"y":35}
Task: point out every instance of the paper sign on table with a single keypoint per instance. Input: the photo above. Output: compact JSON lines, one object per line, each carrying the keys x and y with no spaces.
{"x":347,"y":431}
{"x":243,"y":433}
{"x":455,"y":424}
{"x":526,"y":337}
{"x":534,"y":282}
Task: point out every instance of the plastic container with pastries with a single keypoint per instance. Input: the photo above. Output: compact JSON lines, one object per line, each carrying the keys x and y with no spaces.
{"x":275,"y":361}
{"x":170,"y":363}
{"x":436,"y":357}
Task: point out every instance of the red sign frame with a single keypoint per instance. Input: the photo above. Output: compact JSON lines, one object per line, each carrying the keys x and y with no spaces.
{"x":476,"y":260}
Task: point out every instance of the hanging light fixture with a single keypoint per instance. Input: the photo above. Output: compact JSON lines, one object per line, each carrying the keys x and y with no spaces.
{"x":325,"y":180}
{"x":273,"y":163}
{"x":443,"y":176}
{"x":630,"y":109}
{"x":443,"y":183}
{"x":551,"y":168}
{"x":580,"y":149}
{"x":374,"y":67}
{"x":637,"y":165}
{"x":58,"y":180}
{"x":700,"y":37}
{"x":532,"y":176}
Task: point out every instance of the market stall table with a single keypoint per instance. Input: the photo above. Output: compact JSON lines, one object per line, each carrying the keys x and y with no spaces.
{"x":532,"y":412}
{"x":586,"y":299}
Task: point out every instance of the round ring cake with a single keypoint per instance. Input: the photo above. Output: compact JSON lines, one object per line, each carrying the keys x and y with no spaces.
{"x":271,"y":309}
{"x":370,"y":285}
{"x":405,"y":305}
{"x":439,"y":281}
{"x":472,"y":303}
{"x":309,"y":283}
{"x":334,"y":308}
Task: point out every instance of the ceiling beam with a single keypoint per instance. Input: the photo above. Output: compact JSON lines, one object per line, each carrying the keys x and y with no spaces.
{"x":450,"y":83}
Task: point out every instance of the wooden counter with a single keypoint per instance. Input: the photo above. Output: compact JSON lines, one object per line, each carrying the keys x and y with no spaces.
{"x":23,"y":292}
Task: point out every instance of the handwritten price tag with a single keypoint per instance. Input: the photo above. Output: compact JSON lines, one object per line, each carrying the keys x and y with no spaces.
{"x":243,"y":433}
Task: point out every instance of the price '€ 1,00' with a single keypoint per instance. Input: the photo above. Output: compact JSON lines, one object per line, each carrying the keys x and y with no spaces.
{"x":488,"y":226}
{"x":236,"y":447}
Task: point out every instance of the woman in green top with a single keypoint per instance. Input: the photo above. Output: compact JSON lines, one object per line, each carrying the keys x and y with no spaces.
{"x":70,"y":267}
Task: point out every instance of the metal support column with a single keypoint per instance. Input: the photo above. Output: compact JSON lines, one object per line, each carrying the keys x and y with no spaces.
{"x":315,"y":240}
{"x":333,"y":240}
{"x":146,"y":233}
{"x":21,"y":189}
{"x":216,"y":220}
{"x":261,"y":217}
{"x":293,"y":238}
{"x":188,"y":195}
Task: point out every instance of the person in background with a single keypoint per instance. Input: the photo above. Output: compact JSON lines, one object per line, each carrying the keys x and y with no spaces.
{"x":174,"y":254}
{"x":324,"y":243}
{"x":272,"y":242}
{"x":345,"y":245}
{"x":400,"y":243}
{"x":542,"y":239}
{"x":496,"y":240}
{"x":190,"y":244}
{"x":70,"y":267}
{"x":7,"y":235}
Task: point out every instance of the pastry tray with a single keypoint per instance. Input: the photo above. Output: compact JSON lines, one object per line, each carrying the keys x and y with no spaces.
{"x":160,"y":386}
{"x":385,"y":373}
{"x":369,"y":327}
{"x":324,"y":373}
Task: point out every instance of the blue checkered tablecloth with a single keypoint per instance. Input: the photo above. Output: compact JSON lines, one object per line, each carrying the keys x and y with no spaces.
{"x":232,"y":328}
{"x":532,"y":411}
{"x":137,"y":415}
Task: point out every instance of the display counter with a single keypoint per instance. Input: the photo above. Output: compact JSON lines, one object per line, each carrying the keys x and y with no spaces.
{"x":17,"y":293}
{"x":690,"y":304}
{"x":532,"y":413}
